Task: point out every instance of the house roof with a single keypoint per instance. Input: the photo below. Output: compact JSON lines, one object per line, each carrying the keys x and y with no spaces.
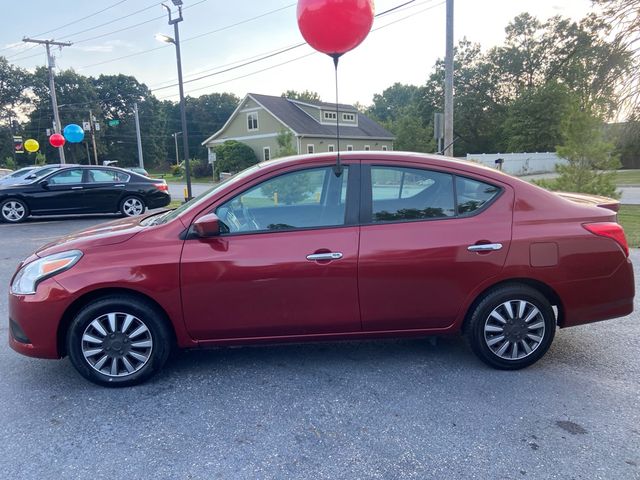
{"x":303,"y":124}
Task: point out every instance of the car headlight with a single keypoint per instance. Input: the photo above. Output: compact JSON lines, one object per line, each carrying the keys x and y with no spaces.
{"x":27,"y":279}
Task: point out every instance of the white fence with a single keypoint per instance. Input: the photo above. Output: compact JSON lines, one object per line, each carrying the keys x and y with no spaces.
{"x":520,"y":163}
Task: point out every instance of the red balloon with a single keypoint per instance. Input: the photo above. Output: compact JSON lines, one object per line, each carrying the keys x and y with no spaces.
{"x":335,"y":26}
{"x":56,"y":140}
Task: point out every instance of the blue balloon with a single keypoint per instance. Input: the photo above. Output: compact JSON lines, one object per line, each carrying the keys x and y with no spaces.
{"x":73,"y":133}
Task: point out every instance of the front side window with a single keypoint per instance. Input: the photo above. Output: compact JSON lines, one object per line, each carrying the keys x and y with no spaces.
{"x":303,"y":199}
{"x":66,"y":177}
{"x":410,"y":194}
{"x":252,"y":121}
{"x":472,"y":195}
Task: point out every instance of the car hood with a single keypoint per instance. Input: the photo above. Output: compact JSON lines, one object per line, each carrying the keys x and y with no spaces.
{"x":593,"y":200}
{"x":110,"y":233}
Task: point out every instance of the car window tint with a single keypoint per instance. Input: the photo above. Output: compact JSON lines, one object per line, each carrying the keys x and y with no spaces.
{"x":303,"y":199}
{"x":472,"y":194}
{"x":102,"y":176}
{"x":410,"y":194}
{"x":66,"y":177}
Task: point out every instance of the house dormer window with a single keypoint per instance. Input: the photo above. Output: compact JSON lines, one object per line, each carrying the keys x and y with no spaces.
{"x":252,"y":121}
{"x":348,"y":117}
{"x":330,"y":116}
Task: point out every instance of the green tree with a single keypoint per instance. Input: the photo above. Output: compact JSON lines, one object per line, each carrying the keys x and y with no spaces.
{"x":233,"y":156}
{"x":306,"y":95}
{"x":285,"y":144}
{"x":591,"y":164}
{"x":289,"y":192}
{"x":411,"y":135}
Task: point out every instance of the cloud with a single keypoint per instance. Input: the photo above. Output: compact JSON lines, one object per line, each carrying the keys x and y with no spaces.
{"x":107,"y":47}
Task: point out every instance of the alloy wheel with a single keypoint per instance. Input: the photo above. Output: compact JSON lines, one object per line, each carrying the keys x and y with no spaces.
{"x":132,"y":207}
{"x":514,"y":329}
{"x":117,"y":344}
{"x":13,"y":211}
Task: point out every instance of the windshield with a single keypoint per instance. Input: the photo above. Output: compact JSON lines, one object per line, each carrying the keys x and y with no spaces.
{"x":196,"y":200}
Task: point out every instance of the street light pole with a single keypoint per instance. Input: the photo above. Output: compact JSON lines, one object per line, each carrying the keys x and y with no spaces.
{"x":183,"y":113}
{"x":175,"y":139}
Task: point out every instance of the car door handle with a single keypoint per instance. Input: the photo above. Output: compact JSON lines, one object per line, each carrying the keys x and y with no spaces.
{"x":485,"y":247}
{"x":119,"y":185}
{"x":314,"y":257}
{"x":76,"y":188}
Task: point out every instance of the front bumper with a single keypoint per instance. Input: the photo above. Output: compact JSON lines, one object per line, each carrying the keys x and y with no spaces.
{"x":34,"y":320}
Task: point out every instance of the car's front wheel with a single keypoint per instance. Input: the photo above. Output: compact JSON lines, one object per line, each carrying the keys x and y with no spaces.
{"x":14,"y":210}
{"x":512,"y":327}
{"x":132,"y":206}
{"x":118,"y":341}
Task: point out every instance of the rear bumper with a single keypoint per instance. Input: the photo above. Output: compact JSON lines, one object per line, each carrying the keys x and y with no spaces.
{"x":34,"y":320}
{"x":158,"y":200}
{"x":593,"y":300}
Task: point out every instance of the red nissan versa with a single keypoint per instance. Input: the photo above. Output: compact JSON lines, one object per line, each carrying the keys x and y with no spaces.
{"x":398,"y":244}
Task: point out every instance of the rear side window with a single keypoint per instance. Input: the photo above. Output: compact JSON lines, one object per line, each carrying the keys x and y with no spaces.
{"x":472,"y":195}
{"x":410,"y":194}
{"x":106,"y":176}
{"x":66,"y":177}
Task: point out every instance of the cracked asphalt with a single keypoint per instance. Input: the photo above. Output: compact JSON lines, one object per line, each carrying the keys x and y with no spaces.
{"x":394,"y":409}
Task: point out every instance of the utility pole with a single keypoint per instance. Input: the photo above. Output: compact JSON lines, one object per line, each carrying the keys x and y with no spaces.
{"x":175,"y":138}
{"x":448,"y":84}
{"x":92,"y":129}
{"x":52,"y":84}
{"x":135,"y":112}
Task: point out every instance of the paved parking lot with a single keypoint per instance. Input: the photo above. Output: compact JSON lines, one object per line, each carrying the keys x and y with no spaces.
{"x":380,"y":409}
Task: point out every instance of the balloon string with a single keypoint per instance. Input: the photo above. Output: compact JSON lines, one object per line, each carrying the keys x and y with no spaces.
{"x":338,"y":168}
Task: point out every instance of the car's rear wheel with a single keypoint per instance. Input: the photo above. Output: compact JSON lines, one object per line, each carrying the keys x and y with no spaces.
{"x":511,"y":327}
{"x":118,"y":341}
{"x":14,"y":210}
{"x":132,"y":206}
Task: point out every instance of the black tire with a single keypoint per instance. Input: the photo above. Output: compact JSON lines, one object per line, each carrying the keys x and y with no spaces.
{"x":132,"y":206}
{"x":485,"y":322}
{"x":119,"y":342}
{"x":13,"y":210}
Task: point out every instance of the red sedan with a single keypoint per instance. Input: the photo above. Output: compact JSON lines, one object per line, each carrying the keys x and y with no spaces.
{"x":396,"y":244}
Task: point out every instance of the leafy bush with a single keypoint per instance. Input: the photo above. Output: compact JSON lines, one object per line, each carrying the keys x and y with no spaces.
{"x":200,"y":168}
{"x":177,"y":170}
{"x":233,"y":156}
{"x":291,"y":192}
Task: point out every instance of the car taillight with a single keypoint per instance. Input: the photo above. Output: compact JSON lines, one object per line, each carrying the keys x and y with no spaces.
{"x":610,"y":230}
{"x":163,"y":187}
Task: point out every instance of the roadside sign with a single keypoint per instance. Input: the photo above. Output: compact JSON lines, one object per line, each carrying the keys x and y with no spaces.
{"x":18,"y":145}
{"x":114,"y":123}
{"x":86,"y":126}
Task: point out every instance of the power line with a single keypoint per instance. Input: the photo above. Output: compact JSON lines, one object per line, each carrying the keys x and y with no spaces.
{"x":294,"y":47}
{"x":155,"y":4}
{"x":186,"y":39}
{"x":303,"y":56}
{"x":81,"y":19}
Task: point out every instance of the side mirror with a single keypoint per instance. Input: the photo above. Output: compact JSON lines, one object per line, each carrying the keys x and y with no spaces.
{"x":31,"y":176}
{"x":207,"y":226}
{"x":44,"y":184}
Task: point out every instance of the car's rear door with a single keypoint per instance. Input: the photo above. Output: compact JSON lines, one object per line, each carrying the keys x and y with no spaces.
{"x":103,"y":189}
{"x":286,"y":264}
{"x":428,"y":238}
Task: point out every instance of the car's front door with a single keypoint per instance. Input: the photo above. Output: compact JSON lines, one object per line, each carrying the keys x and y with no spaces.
{"x":428,"y":239}
{"x":103,"y":189}
{"x":61,"y":192}
{"x":285,"y":264}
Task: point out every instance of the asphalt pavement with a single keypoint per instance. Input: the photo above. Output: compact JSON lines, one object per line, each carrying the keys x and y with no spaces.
{"x":394,"y":409}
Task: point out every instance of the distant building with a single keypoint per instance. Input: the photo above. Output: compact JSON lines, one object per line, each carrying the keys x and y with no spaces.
{"x":259,"y":119}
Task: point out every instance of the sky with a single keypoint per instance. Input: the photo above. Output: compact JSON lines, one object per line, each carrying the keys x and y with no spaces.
{"x":117,"y":36}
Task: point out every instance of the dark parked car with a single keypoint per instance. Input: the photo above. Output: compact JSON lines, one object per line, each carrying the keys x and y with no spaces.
{"x":398,"y":244}
{"x":79,"y":189}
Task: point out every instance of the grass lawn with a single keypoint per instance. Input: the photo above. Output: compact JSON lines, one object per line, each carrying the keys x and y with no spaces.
{"x":628,"y":177}
{"x":629,"y":218}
